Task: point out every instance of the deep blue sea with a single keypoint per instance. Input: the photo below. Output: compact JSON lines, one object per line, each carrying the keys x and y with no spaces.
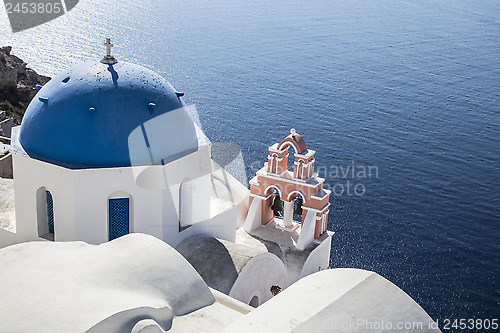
{"x":408,"y":88}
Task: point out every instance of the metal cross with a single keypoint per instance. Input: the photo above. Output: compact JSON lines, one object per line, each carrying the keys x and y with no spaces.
{"x":108,"y":58}
{"x":108,"y":45}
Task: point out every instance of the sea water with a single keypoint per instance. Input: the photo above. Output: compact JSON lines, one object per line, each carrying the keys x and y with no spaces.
{"x":408,"y":91}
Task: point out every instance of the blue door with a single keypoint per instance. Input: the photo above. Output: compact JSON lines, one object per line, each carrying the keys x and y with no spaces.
{"x":50,"y":211}
{"x":118,"y":217}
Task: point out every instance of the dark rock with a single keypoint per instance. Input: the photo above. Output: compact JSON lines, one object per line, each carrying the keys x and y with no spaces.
{"x":6,"y":127}
{"x":17,"y":85}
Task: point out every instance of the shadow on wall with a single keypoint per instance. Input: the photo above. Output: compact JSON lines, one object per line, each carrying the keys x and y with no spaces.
{"x":203,"y":261}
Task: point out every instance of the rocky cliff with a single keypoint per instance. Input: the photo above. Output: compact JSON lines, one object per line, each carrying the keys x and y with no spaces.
{"x":17,"y":88}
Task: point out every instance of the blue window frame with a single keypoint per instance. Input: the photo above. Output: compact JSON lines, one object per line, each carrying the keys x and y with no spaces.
{"x":118,"y":217}
{"x":50,"y":211}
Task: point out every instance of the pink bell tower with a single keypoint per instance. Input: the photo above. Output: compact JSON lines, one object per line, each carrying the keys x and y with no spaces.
{"x":276,"y":182}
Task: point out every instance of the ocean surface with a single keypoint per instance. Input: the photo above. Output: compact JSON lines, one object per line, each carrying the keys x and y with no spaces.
{"x":405,"y":93}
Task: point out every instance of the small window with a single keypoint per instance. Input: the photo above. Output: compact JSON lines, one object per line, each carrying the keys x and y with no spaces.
{"x":119,"y":223}
{"x":50,"y":212}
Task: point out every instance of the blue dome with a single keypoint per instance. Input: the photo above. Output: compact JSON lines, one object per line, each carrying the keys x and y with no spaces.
{"x":84,"y":117}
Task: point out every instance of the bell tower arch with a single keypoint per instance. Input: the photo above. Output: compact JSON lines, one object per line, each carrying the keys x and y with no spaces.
{"x":301,"y":188}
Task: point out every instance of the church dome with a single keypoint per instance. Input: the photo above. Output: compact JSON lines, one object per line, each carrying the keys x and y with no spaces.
{"x":84,"y":118}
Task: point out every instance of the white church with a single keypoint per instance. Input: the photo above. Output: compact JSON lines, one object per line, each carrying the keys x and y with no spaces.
{"x":114,"y":180}
{"x":108,"y":148}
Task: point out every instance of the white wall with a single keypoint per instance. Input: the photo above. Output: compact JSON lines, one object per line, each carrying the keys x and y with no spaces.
{"x":322,"y":301}
{"x":235,"y":191}
{"x":80,"y":199}
{"x":7,"y":238}
{"x":257,"y":277}
{"x":319,"y":259}
{"x":29,"y":176}
{"x":222,"y":226}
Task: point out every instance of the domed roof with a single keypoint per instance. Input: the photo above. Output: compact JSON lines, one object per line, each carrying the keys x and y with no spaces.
{"x":84,"y":118}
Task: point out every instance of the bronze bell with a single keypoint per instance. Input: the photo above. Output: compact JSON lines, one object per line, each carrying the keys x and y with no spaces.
{"x":298,"y":209}
{"x":277,"y":204}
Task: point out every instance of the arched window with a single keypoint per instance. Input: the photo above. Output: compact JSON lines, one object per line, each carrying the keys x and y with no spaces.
{"x":45,"y":213}
{"x":277,"y":202}
{"x":186,"y":189}
{"x":292,"y":150}
{"x":118,"y":215}
{"x":254,"y":302}
{"x":298,"y":201}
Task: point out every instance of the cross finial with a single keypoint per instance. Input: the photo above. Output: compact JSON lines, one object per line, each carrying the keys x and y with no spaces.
{"x":108,"y":45}
{"x":108,"y":58}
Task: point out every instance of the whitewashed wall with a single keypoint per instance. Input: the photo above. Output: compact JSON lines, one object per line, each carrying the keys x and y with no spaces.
{"x":80,"y":199}
{"x":257,"y":277}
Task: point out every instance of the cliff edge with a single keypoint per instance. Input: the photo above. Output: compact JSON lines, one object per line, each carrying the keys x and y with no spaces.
{"x":17,"y":89}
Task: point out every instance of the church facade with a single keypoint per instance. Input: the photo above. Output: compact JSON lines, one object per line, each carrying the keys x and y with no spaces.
{"x":109,"y":148}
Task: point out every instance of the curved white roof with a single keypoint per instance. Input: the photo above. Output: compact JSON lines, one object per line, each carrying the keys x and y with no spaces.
{"x":336,"y":300}
{"x":73,"y":286}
